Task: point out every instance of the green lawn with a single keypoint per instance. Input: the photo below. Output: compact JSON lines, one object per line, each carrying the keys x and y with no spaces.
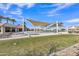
{"x":37,"y":45}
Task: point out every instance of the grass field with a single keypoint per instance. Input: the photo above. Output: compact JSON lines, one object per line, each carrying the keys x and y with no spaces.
{"x":37,"y":45}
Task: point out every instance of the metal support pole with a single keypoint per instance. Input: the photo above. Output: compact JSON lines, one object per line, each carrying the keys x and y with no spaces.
{"x":57,"y":27}
{"x":23,"y":25}
{"x":34,"y":29}
{"x":67,"y":30}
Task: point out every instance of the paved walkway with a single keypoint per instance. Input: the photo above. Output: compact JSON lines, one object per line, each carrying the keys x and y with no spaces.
{"x":27,"y":36}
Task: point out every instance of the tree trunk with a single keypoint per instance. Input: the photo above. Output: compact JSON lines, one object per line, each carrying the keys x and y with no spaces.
{"x":0,"y":20}
{"x":13,"y":22}
{"x":7,"y":21}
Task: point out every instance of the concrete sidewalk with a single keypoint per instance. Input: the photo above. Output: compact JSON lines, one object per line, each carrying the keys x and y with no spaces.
{"x":28,"y":36}
{"x":33,"y":34}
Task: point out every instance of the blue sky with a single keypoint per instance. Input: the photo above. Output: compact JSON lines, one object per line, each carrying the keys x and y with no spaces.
{"x":68,"y":13}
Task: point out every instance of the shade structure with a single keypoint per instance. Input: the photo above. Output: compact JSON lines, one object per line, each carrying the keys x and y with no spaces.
{"x":38,"y":23}
{"x":60,"y":24}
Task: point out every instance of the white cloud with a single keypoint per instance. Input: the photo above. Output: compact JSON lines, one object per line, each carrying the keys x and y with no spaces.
{"x":20,"y":5}
{"x":5,"y":6}
{"x":51,"y":5}
{"x":28,"y":5}
{"x":50,"y":15}
{"x":2,"y":6}
{"x":18,"y":11}
{"x":60,"y":6}
{"x":57,"y":4}
{"x":6,"y":9}
{"x":73,"y":20}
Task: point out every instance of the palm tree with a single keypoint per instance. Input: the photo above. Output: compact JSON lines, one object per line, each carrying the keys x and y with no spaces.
{"x":7,"y":19}
{"x":24,"y":26}
{"x":13,"y":20}
{"x":1,"y":17}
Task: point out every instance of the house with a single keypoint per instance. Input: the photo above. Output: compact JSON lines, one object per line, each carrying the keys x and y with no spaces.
{"x":6,"y":27}
{"x":73,"y":29}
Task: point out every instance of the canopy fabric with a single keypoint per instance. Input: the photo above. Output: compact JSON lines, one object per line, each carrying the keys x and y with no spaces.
{"x":54,"y":24}
{"x":37,"y":23}
{"x":60,"y":24}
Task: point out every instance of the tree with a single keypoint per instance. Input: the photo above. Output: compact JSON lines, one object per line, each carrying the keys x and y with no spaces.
{"x":7,"y":19}
{"x":13,"y":20}
{"x":1,"y":17}
{"x":25,"y":26}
